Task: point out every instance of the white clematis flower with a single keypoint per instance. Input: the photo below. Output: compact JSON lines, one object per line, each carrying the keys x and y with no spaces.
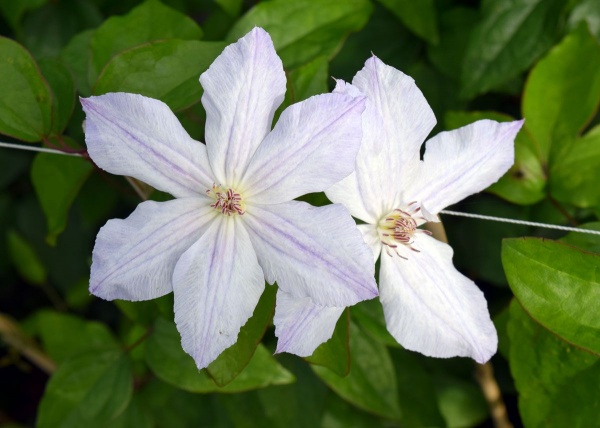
{"x":233,"y":222}
{"x":429,"y":306}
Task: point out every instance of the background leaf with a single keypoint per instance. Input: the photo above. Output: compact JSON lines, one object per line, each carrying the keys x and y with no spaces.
{"x":57,"y":180}
{"x":562,"y":92}
{"x":509,"y":37}
{"x":87,"y":390}
{"x":25,"y":105}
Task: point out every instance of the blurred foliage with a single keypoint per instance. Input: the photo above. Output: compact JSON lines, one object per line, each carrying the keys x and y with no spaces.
{"x":120,"y":364}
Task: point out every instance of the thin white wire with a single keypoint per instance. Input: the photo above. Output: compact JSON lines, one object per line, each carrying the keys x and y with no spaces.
{"x":522,"y":222}
{"x":37,"y":149}
{"x":447,"y":212}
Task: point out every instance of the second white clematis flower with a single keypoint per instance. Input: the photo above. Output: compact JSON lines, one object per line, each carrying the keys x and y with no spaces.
{"x":428,"y":305}
{"x":233,"y":223}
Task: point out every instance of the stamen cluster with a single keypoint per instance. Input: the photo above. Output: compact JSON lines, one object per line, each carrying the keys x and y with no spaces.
{"x":399,"y":227}
{"x":226,"y":201}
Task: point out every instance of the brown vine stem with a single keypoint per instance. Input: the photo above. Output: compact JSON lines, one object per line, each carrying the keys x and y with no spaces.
{"x":484,"y":373}
{"x":16,"y":338}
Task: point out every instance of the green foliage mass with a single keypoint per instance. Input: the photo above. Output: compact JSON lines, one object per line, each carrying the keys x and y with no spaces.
{"x":68,"y":359}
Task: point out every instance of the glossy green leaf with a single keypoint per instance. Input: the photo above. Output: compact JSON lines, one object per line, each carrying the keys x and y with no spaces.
{"x":88,"y":389}
{"x":147,"y":22}
{"x":170,"y":363}
{"x":455,"y":28}
{"x":575,"y":175}
{"x":167,"y":70}
{"x":63,"y":93}
{"x":584,"y":241}
{"x":371,"y":384}
{"x":557,"y":383}
{"x":558,"y":286}
{"x":57,"y":180}
{"x":525,"y":181}
{"x":509,"y":38}
{"x":418,"y":16}
{"x":65,"y":335}
{"x":562,"y":92}
{"x":341,"y":414}
{"x":335,"y":353}
{"x":25,"y":104}
{"x":312,"y":28}
{"x":77,"y":57}
{"x":234,"y":359}
{"x":25,"y":259}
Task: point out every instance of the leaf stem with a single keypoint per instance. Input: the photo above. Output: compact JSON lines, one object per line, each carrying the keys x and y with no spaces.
{"x":138,"y":342}
{"x":12,"y":334}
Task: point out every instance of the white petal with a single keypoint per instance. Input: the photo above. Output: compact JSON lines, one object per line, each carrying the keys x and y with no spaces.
{"x":242,"y":89}
{"x":372,"y":239}
{"x":312,"y":252}
{"x":313,"y":146}
{"x":396,"y":121}
{"x":133,"y":135}
{"x":465,"y":161}
{"x":217,"y":284}
{"x":301,"y":325}
{"x":431,"y":308}
{"x":133,"y":259}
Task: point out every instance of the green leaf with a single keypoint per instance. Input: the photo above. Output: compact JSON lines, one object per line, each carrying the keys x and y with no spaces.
{"x":25,"y":104}
{"x":525,"y":181}
{"x":341,"y":414}
{"x":584,"y":241}
{"x":371,"y":384}
{"x":418,"y":16}
{"x":416,"y":390}
{"x":511,"y":35}
{"x":558,"y":286}
{"x":77,"y":57}
{"x":234,"y":359}
{"x":147,"y":22}
{"x":13,"y":11}
{"x":308,"y":80}
{"x":48,"y":29}
{"x":312,"y":28}
{"x":575,"y":175}
{"x":562,"y":92}
{"x":63,"y":93}
{"x":25,"y":259}
{"x":557,"y":383}
{"x":65,"y":335}
{"x":167,"y":70}
{"x":170,"y":363}
{"x":88,"y":389}
{"x":335,"y":353}
{"x":368,"y":314}
{"x":461,"y":402}
{"x":57,"y":180}
{"x":588,"y":11}
{"x":455,"y":27}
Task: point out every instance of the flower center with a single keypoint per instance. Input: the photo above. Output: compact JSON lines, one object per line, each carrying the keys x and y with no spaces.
{"x":227,"y":200}
{"x":399,"y":227}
